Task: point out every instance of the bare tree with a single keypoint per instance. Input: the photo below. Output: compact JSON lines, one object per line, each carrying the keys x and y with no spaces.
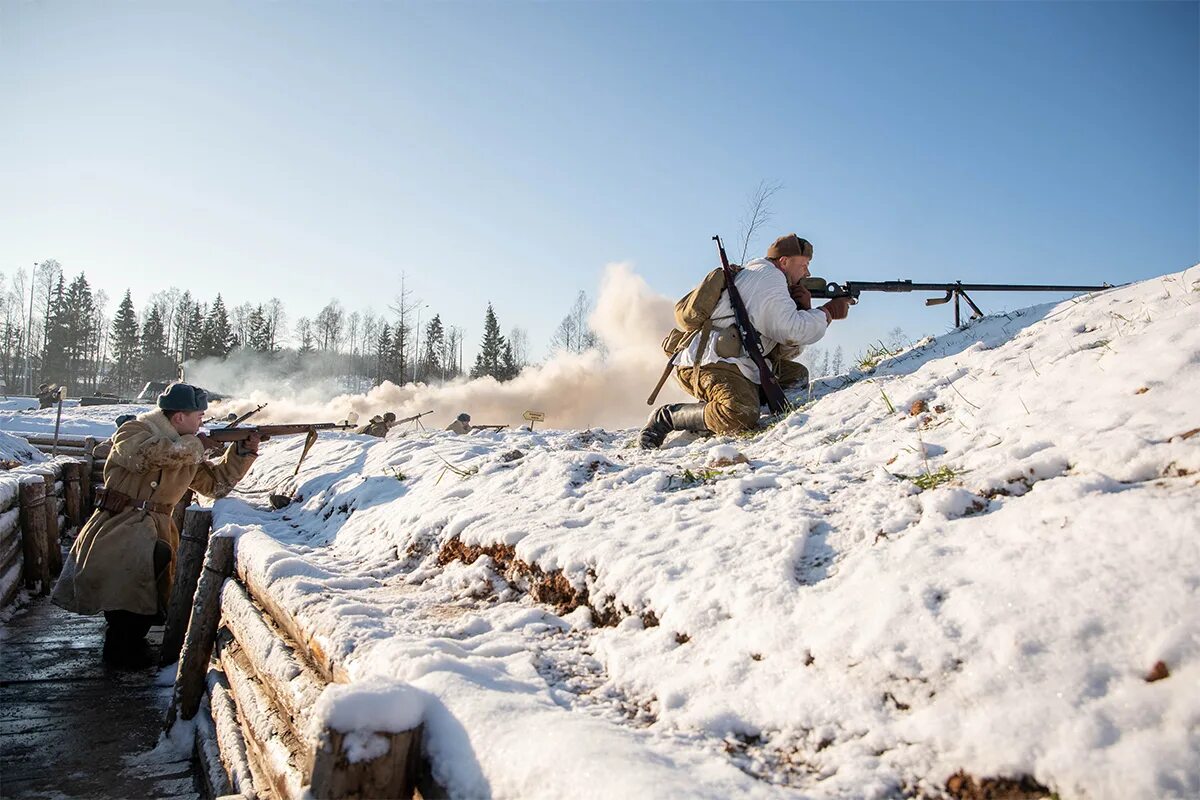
{"x":758,"y":213}
{"x":519,"y":339}
{"x":573,"y":333}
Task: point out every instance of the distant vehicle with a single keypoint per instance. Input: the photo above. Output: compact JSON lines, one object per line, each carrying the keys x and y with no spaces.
{"x":148,"y":396}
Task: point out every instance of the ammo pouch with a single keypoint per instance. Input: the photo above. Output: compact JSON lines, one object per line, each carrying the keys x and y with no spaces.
{"x":729,"y":342}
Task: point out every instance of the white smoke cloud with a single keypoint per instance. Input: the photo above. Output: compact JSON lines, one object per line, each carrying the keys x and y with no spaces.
{"x":574,"y":390}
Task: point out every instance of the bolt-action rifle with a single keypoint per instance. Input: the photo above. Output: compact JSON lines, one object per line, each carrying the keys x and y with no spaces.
{"x":819,"y":288}
{"x":488,"y":427}
{"x":265,"y":432}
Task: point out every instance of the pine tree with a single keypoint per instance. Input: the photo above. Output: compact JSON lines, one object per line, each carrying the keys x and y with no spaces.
{"x":194,"y":332}
{"x":57,"y":333}
{"x":488,"y":362}
{"x":157,"y":363}
{"x":431,"y":361}
{"x":259,"y":331}
{"x":123,"y":338}
{"x":383,"y":350}
{"x":216,"y":338}
{"x":508,"y":365}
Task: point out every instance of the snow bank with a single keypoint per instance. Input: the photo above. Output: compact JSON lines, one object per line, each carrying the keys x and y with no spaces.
{"x":971,"y":557}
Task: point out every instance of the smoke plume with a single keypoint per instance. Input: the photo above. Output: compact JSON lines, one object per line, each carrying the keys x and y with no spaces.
{"x":574,"y":390}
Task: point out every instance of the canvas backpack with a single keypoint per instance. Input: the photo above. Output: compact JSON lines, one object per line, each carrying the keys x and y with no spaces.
{"x":693,"y":318}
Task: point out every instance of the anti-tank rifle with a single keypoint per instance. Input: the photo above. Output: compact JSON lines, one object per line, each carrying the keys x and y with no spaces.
{"x":820,"y":288}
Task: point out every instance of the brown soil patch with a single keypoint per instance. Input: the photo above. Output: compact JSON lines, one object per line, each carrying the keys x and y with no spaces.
{"x":962,"y":786}
{"x":552,"y":588}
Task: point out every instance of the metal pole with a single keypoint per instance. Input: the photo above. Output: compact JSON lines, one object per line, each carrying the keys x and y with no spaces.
{"x":417,"y":344}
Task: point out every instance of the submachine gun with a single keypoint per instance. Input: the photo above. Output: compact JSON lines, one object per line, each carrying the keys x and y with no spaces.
{"x":954,"y":290}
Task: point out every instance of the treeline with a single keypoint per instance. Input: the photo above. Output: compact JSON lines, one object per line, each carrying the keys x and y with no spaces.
{"x":56,"y":329}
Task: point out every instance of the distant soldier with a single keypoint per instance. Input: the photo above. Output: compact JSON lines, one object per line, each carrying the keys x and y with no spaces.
{"x":379,"y":426}
{"x":461,"y":425}
{"x":122,"y":561}
{"x":47,"y":395}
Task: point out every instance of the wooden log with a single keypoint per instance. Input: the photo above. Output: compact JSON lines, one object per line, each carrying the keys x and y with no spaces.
{"x":278,"y":753}
{"x":234,"y":757}
{"x":285,"y":676}
{"x":33,"y":534}
{"x":393,"y":774}
{"x":10,"y":523}
{"x":11,"y":579}
{"x":189,"y":560}
{"x":201,"y":631}
{"x":10,"y":539}
{"x":72,"y":492}
{"x":207,"y":754}
{"x":45,"y":438}
{"x":306,"y":642}
{"x":53,"y":548}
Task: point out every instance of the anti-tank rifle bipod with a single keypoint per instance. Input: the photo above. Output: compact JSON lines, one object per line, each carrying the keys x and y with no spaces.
{"x":820,"y":288}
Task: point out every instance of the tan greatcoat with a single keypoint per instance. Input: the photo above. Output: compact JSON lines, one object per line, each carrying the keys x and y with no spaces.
{"x":110,"y":566}
{"x":459,"y":427}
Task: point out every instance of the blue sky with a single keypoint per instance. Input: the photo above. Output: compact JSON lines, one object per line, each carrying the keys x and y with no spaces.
{"x":506,"y":152}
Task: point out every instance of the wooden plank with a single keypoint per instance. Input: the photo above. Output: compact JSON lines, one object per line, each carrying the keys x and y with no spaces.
{"x":10,"y":579}
{"x":10,"y":541}
{"x":73,"y":492}
{"x":229,"y":735}
{"x":33,"y":534}
{"x":193,"y":542}
{"x":280,"y":755}
{"x":53,"y":550}
{"x":207,"y":753}
{"x":290,"y":681}
{"x":306,"y":642}
{"x":201,"y":631}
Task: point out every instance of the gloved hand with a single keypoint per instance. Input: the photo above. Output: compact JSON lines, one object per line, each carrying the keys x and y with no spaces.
{"x":838,"y":307}
{"x":801,"y":295}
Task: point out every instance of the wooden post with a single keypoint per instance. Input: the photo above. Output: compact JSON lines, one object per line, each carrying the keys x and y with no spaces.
{"x":33,"y":534}
{"x":201,"y":631}
{"x":393,"y":774}
{"x":53,"y":548}
{"x":73,"y":492}
{"x":181,"y":510}
{"x":193,"y":542}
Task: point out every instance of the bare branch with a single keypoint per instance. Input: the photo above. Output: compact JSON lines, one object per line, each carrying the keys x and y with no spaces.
{"x":758,"y":213}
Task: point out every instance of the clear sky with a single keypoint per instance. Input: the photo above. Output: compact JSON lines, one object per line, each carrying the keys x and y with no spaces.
{"x":506,"y":152}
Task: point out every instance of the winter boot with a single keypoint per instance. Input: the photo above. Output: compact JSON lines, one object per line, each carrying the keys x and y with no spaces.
{"x":675,"y":417}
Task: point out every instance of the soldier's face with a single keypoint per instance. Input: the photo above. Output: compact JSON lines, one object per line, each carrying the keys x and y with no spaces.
{"x":795,"y":267}
{"x":186,"y":422}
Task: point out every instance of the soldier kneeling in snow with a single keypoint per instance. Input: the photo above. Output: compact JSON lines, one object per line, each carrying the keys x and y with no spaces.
{"x":724,"y":377}
{"x":122,"y":562}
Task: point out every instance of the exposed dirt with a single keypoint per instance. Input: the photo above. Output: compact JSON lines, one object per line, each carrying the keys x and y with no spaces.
{"x":962,"y":786}
{"x":551,"y":588}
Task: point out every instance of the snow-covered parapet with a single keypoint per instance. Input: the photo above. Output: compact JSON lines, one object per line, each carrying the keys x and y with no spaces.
{"x":365,"y":710}
{"x":979,"y":555}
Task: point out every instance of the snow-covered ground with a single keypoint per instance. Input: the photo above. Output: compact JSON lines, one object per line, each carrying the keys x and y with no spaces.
{"x":970,"y":557}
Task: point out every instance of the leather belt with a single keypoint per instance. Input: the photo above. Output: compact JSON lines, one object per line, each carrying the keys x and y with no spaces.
{"x":115,"y":502}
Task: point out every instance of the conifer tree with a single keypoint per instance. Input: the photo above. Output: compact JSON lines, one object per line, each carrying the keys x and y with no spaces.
{"x":435,"y":342}
{"x":123,"y":338}
{"x":157,"y":364}
{"x":488,"y":362}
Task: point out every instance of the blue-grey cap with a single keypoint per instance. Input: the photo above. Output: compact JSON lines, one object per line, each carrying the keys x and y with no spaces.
{"x":183,"y":397}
